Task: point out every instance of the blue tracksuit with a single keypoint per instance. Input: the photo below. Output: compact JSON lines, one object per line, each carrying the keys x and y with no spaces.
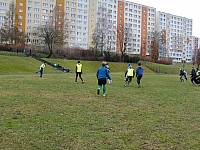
{"x":139,"y":71}
{"x":139,"y":74}
{"x":103,"y":73}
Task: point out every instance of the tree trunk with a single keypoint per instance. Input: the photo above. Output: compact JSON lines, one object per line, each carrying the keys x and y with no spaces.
{"x":50,"y":51}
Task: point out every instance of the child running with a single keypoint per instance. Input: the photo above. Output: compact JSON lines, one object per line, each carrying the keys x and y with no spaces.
{"x":129,"y":75}
{"x":102,"y":74}
{"x":139,"y":74}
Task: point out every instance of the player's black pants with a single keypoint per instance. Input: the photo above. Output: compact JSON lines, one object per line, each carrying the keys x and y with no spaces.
{"x":78,"y":74}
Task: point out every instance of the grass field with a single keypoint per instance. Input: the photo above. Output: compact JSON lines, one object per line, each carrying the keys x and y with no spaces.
{"x":55,"y":113}
{"x":21,"y":65}
{"x":27,"y":65}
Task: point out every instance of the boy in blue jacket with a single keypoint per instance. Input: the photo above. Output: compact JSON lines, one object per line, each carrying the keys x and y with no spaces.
{"x":139,"y":74}
{"x":102,"y":75}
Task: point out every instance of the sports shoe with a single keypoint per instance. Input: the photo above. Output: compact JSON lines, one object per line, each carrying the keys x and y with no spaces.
{"x":82,"y":81}
{"x":75,"y":82}
{"x":98,"y":91}
{"x":104,"y":94}
{"x":139,"y":86}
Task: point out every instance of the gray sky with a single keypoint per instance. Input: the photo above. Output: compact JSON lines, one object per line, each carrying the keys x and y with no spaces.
{"x":183,"y":8}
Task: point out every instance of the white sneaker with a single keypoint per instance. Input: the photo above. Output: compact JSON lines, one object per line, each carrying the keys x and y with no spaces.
{"x":104,"y":94}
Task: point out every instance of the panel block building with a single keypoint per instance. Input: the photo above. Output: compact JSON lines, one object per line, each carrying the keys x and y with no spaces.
{"x":178,"y":36}
{"x":120,"y":26}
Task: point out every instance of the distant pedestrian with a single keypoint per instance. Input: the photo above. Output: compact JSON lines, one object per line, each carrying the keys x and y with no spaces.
{"x":41,"y":70}
{"x":102,"y":75}
{"x":139,"y":74}
{"x":79,"y":71}
{"x":24,"y":51}
{"x":193,"y":75}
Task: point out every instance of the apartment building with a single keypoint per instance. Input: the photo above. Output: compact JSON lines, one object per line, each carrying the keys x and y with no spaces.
{"x":195,"y":46}
{"x":178,"y":36}
{"x":138,"y":22}
{"x":148,"y":28}
{"x":77,"y":15}
{"x":103,"y":22}
{"x":82,"y":18}
{"x":132,"y":22}
{"x":3,"y":10}
{"x":28,"y":15}
{"x":37,"y":12}
{"x":4,"y":7}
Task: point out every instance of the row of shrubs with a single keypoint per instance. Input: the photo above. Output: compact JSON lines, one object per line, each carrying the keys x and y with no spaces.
{"x":95,"y":55}
{"x":74,"y":54}
{"x":161,"y":68}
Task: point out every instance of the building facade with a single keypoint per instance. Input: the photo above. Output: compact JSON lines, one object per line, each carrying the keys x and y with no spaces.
{"x":178,"y":36}
{"x":195,"y":47}
{"x":119,"y":25}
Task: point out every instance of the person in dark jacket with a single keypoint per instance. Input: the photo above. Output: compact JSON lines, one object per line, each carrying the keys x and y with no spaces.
{"x":183,"y":74}
{"x":193,"y":75}
{"x":139,"y":74}
{"x":102,"y":75}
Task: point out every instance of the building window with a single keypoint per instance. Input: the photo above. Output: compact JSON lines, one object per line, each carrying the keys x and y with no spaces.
{"x":29,"y":15}
{"x":36,"y":9}
{"x":2,"y":4}
{"x":20,"y":23}
{"x":29,"y":8}
{"x":20,"y":4}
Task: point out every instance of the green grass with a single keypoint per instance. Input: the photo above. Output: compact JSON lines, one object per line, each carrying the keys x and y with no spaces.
{"x":27,"y":65}
{"x":92,"y":66}
{"x":168,"y":69}
{"x":55,"y":113}
{"x":6,"y":53}
{"x":21,"y":65}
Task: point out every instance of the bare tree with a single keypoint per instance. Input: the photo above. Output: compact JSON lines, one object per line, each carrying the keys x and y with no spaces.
{"x":123,"y":38}
{"x":154,"y":44}
{"x":198,"y":58}
{"x":120,"y":40}
{"x":95,"y":40}
{"x":52,"y":33}
{"x":10,"y":33}
{"x":103,"y":34}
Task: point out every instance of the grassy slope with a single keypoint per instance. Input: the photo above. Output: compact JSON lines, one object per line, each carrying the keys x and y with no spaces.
{"x":26,"y":65}
{"x":54,"y":113}
{"x":170,"y":69}
{"x":91,"y":66}
{"x":20,"y":65}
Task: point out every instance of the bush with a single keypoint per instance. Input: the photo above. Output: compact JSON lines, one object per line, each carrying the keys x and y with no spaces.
{"x":134,"y":59}
{"x":107,"y":55}
{"x":161,"y":68}
{"x":166,"y":61}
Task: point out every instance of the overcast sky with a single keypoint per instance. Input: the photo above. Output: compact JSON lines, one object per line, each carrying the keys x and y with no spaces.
{"x":184,"y":8}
